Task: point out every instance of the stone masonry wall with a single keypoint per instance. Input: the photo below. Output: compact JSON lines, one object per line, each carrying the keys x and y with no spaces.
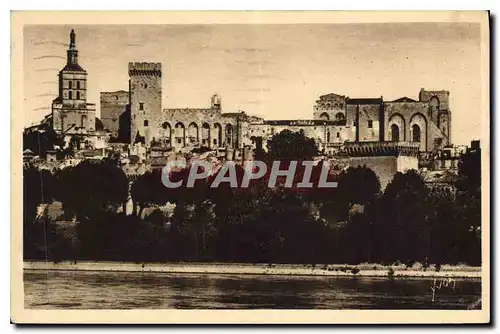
{"x":197,"y":127}
{"x":385,"y":167}
{"x":113,"y":104}
{"x":83,"y":118}
{"x":322,"y":134}
{"x":369,"y":122}
{"x":441,"y":95}
{"x":405,"y":115}
{"x":364,"y":118}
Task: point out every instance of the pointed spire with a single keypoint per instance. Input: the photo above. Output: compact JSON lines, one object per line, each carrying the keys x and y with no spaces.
{"x":72,"y":36}
{"x":72,"y":51}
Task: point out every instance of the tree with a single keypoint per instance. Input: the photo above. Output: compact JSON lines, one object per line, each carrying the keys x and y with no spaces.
{"x":41,"y":240}
{"x":404,"y":227}
{"x":469,"y":187}
{"x":90,"y":188}
{"x":41,"y":140}
{"x":117,"y":237}
{"x":290,"y":146}
{"x":148,"y":190}
{"x":236,"y":213}
{"x":359,"y":185}
{"x":469,"y":172}
{"x":469,"y":205}
{"x":354,"y":203}
{"x":39,"y":186}
{"x":193,"y":224}
{"x":446,"y":230}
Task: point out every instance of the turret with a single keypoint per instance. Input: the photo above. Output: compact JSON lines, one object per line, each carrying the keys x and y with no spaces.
{"x":215,"y":101}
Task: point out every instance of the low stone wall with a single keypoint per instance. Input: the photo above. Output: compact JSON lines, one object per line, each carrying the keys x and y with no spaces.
{"x":368,"y":270}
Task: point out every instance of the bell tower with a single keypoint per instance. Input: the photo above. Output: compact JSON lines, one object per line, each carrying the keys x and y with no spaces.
{"x":70,"y":110}
{"x":72,"y":78}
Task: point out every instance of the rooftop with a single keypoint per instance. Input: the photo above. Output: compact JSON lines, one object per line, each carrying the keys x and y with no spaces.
{"x":73,"y":67}
{"x":404,"y":99}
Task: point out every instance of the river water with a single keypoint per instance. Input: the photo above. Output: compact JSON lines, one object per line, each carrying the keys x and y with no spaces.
{"x":132,"y":290}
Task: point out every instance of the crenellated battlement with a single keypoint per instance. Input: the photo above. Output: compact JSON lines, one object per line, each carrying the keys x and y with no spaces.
{"x":367,"y":149}
{"x":144,"y":69}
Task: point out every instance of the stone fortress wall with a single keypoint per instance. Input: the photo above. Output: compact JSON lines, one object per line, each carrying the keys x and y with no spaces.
{"x":387,"y":136}
{"x":384,"y":158}
{"x":337,"y":119}
{"x":113,"y":104}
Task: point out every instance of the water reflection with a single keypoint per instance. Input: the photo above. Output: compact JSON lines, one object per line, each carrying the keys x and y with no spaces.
{"x":101,"y":290}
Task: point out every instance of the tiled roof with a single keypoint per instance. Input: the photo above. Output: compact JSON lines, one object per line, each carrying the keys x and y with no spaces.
{"x":73,"y":67}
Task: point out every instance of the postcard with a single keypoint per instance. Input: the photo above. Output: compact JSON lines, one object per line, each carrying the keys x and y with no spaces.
{"x":250,"y":167}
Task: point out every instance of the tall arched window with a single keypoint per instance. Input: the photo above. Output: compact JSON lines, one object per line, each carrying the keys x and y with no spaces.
{"x":205,"y":134}
{"x":415,"y":129}
{"x":229,"y":135}
{"x":70,"y":84}
{"x":78,"y":85}
{"x":394,"y":132}
{"x":328,"y":137}
{"x":77,"y":95}
{"x":70,"y":95}
{"x":83,"y":121}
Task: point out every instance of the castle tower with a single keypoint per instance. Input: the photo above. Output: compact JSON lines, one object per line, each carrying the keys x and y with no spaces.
{"x":145,"y":101}
{"x":439,"y":111}
{"x":215,"y":102}
{"x":70,"y":111}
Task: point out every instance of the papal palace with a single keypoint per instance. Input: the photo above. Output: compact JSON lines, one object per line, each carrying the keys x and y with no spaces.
{"x":362,"y":128}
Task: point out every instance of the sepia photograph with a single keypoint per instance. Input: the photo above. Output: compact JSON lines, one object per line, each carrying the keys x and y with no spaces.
{"x":272,"y":164}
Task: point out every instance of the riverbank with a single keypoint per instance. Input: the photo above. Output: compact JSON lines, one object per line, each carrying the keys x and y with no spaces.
{"x":362,"y":270}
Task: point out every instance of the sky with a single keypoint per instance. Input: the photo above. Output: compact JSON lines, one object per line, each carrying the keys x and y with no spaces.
{"x":272,"y":71}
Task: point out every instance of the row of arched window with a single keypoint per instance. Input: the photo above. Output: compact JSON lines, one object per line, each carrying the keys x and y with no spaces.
{"x":415,"y":133}
{"x":338,"y":116}
{"x":70,"y":95}
{"x":328,"y":136}
{"x":70,"y":84}
{"x":218,"y":136}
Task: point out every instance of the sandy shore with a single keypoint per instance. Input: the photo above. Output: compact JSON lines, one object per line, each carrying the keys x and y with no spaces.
{"x":364,"y":270}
